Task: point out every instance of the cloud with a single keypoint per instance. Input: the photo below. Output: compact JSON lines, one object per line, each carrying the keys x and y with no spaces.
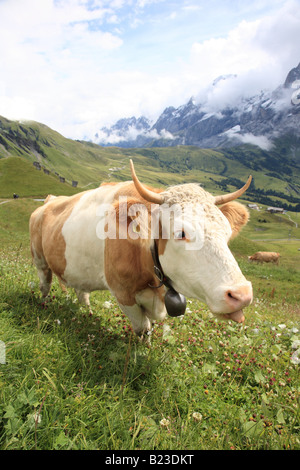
{"x":64,"y":63}
{"x":259,"y":140}
{"x":260,"y":52}
{"x":113,"y":138}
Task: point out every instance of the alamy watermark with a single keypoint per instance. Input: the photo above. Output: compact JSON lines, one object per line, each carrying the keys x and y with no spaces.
{"x":135,"y":221}
{"x":2,"y":353}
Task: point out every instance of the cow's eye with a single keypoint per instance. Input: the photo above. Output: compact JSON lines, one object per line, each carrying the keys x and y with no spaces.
{"x":180,"y":235}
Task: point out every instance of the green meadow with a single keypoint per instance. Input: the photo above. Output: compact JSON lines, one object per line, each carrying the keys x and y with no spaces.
{"x":71,"y":380}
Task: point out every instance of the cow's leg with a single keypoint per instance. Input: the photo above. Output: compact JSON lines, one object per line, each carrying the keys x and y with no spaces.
{"x":43,"y":270}
{"x":62,"y":286}
{"x":45,"y":276}
{"x":140,"y":322}
{"x":83,"y":297}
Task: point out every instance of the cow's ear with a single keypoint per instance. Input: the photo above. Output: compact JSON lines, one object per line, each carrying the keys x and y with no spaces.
{"x":237,"y":215}
{"x":132,"y":219}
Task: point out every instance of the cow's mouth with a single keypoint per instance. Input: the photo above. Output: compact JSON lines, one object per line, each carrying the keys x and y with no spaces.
{"x":235,"y":316}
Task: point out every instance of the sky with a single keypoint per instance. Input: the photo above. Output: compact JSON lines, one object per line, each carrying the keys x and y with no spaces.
{"x":79,"y":65}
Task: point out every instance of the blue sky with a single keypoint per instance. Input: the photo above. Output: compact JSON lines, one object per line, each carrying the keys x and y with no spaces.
{"x":78,"y":65}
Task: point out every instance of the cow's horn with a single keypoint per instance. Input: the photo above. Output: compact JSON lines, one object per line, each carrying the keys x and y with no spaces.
{"x":146,"y":193}
{"x":231,"y":196}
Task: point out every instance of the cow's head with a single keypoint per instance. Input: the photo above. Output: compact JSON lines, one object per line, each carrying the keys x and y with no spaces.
{"x":193,"y":249}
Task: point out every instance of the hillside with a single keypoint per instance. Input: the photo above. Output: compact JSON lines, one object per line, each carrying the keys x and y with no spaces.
{"x":18,"y":176}
{"x":276,"y":176}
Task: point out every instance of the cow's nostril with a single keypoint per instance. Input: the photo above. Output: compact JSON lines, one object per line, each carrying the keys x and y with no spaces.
{"x":239,"y":297}
{"x":231,"y":296}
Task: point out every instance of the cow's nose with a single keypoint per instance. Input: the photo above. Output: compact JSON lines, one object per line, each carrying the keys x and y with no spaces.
{"x":239,"y":297}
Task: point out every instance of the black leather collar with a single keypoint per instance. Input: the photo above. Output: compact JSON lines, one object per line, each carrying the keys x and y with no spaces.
{"x":175,"y":303}
{"x":163,"y":279}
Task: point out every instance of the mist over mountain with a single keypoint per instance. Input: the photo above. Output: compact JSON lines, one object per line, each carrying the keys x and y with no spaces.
{"x":221,"y":116}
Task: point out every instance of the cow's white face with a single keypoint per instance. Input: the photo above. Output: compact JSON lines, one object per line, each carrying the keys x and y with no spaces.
{"x":197,"y":259}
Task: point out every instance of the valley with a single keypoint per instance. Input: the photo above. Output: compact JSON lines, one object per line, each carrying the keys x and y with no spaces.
{"x":29,"y":150}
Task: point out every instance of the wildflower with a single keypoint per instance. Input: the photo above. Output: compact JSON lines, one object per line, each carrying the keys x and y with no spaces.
{"x":282,"y":326}
{"x":35,"y":418}
{"x":296,"y":344}
{"x":166,"y":330}
{"x":295,"y":359}
{"x":57,"y":321}
{"x":164,"y":423}
{"x":197,"y":417}
{"x":107,"y":304}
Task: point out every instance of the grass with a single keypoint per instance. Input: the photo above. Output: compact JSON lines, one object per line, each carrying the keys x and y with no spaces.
{"x":71,"y":380}
{"x":20,"y":177}
{"x":90,"y":164}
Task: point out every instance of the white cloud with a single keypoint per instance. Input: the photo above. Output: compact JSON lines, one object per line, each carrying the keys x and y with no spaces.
{"x":260,"y":52}
{"x":64,"y":62}
{"x":259,"y":140}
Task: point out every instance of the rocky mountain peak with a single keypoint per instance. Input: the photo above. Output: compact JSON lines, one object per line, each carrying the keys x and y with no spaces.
{"x":292,"y":76}
{"x":256,"y":119}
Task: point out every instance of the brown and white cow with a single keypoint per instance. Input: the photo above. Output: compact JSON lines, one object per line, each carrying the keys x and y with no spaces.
{"x":67,"y":240}
{"x":265,"y":257}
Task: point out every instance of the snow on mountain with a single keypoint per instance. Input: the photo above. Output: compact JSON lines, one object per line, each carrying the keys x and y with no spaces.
{"x":223,"y":115}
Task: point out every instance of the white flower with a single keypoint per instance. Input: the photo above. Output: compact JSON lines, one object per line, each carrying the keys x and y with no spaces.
{"x":57,"y":321}
{"x":164,"y":423}
{"x":295,"y":359}
{"x":296,"y":344}
{"x":166,"y":330}
{"x":197,"y":417}
{"x":282,"y":326}
{"x":107,"y":304}
{"x":37,"y":418}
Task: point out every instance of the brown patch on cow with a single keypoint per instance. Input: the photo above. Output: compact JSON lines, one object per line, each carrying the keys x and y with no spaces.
{"x":128,"y":269}
{"x":128,"y":261}
{"x":47,"y":241}
{"x":237,"y":215}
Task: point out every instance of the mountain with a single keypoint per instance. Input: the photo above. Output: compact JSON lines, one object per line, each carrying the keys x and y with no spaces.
{"x":134,"y":129}
{"x":36,"y":160}
{"x":207,"y":123}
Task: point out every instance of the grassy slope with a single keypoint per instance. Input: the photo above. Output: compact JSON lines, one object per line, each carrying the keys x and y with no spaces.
{"x":19,"y":176}
{"x":92,"y":385}
{"x":72,"y":381}
{"x":90,"y":164}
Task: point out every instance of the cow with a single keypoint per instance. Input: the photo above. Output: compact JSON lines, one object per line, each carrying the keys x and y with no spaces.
{"x":265,"y":256}
{"x":149,"y":271}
